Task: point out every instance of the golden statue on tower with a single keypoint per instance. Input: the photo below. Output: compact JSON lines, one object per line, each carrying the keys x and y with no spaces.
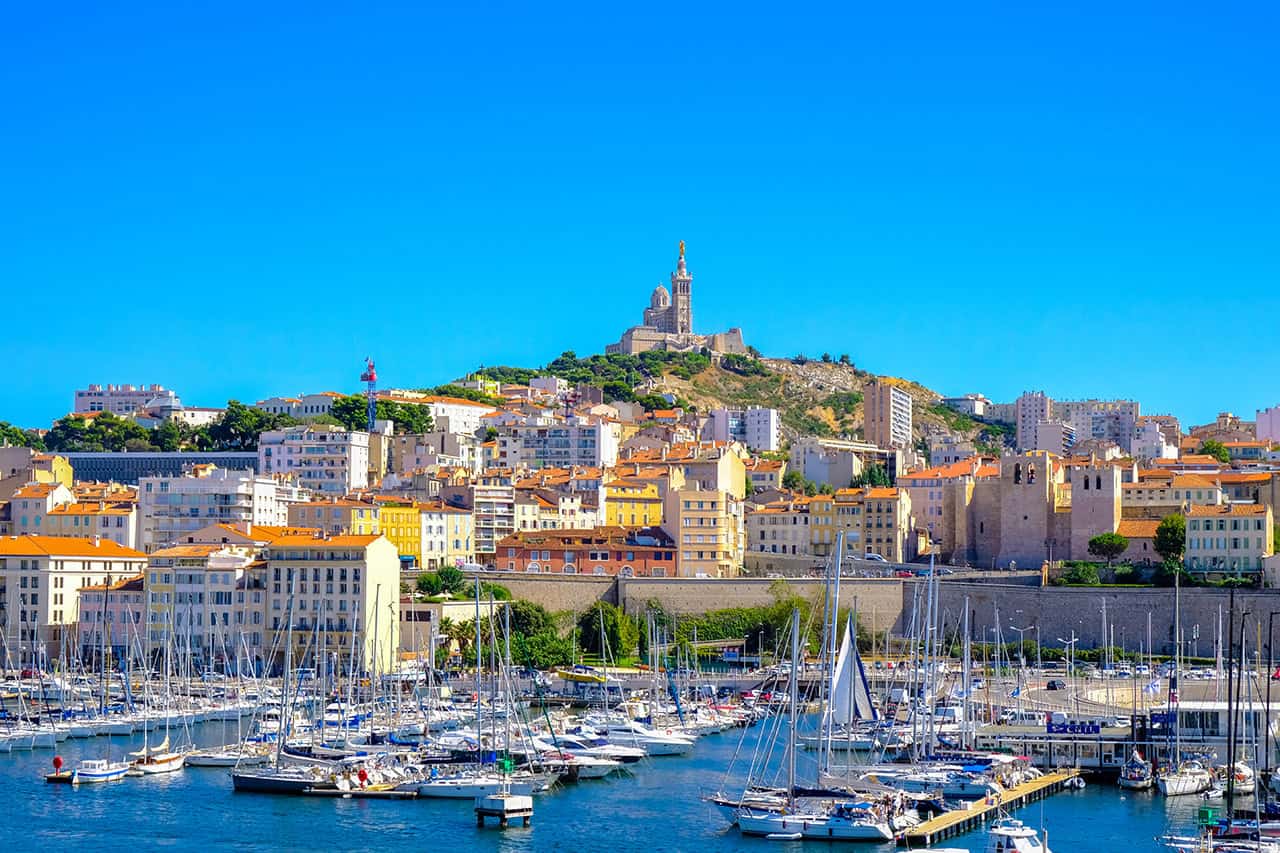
{"x":682,"y":248}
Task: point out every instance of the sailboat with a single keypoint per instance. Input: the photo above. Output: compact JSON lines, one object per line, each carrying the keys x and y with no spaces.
{"x":92,"y":770}
{"x":1136,"y":773}
{"x":844,"y":819}
{"x":1191,"y":776}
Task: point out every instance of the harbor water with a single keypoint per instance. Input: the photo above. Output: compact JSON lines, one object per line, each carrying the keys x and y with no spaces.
{"x":656,"y":807}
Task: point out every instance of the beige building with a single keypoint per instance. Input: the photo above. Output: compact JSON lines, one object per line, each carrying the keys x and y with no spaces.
{"x":887,"y":415}
{"x":1229,"y":539}
{"x":708,"y":529}
{"x":198,"y":597}
{"x":344,"y":594}
{"x":40,"y":582}
{"x":780,"y":528}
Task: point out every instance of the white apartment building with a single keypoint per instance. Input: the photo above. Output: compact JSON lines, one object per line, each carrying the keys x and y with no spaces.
{"x":124,"y":399}
{"x":302,"y":406}
{"x":40,"y":582}
{"x":1028,"y":410}
{"x":973,"y":405}
{"x":200,"y":597}
{"x":347,"y":587}
{"x":886,"y":410}
{"x":1149,"y":442}
{"x":328,"y":460}
{"x":757,"y":428}
{"x":170,"y":507}
{"x":456,"y":415}
{"x":549,"y":440}
{"x":448,"y":535}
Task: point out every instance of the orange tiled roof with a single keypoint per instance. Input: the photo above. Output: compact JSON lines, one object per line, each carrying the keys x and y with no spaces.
{"x":36,"y":490}
{"x":94,"y":508}
{"x":1138,"y":528}
{"x":1228,"y":509}
{"x":187,"y":551}
{"x":130,"y":583}
{"x":59,"y":546}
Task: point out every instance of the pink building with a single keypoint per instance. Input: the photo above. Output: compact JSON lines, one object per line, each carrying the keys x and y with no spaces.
{"x":112,"y":616}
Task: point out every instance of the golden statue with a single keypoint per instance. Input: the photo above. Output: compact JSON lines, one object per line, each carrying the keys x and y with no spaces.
{"x":682,"y":248}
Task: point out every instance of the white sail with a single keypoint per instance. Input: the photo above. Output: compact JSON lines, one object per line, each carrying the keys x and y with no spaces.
{"x":850,"y":696}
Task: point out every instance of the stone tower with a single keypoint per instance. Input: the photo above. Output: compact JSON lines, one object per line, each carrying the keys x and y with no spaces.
{"x":682,"y":297}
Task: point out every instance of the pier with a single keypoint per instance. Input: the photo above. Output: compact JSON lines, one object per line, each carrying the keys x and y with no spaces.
{"x":953,"y":823}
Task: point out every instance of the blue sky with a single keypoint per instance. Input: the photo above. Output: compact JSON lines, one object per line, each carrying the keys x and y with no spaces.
{"x":246,"y":200}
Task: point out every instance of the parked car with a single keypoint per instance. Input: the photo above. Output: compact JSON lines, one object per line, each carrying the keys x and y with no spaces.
{"x":875,"y":558}
{"x":1056,"y":684}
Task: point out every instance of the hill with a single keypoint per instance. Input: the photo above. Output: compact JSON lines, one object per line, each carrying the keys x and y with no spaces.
{"x":813,"y":397}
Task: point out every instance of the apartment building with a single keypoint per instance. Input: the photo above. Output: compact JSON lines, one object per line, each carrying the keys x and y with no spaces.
{"x":780,"y":528}
{"x":172,"y":506}
{"x":550,"y":440}
{"x":327,"y":460}
{"x":708,"y":530}
{"x":757,"y":428}
{"x":196,"y":600}
{"x":40,"y":582}
{"x":447,"y":534}
{"x":111,"y":619}
{"x":1230,"y":539}
{"x":340,"y":593}
{"x":122,"y":399}
{"x":886,"y":412}
{"x":632,"y":503}
{"x":337,"y":515}
{"x":608,"y":550}
{"x":492,"y":503}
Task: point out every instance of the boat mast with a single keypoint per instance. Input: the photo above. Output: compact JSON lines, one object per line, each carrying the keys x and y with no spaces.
{"x":795,"y":702}
{"x":286,"y":713}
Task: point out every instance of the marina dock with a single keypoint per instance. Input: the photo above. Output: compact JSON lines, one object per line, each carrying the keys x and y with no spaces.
{"x":953,"y":823}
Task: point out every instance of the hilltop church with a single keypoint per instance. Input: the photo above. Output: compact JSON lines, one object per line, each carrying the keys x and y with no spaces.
{"x":668,"y":322}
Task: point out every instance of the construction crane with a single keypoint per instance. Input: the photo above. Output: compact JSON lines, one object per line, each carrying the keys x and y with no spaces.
{"x":370,"y":378}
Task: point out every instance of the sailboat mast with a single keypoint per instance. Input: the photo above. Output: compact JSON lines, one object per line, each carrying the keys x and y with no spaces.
{"x":795,"y":702}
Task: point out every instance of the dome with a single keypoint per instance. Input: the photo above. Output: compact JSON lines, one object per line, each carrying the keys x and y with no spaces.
{"x":660,"y":298}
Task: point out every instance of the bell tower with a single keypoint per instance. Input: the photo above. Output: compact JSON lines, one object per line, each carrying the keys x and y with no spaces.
{"x":682,"y":297}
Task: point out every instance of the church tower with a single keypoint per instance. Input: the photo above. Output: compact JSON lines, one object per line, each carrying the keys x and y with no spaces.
{"x":682,"y":297}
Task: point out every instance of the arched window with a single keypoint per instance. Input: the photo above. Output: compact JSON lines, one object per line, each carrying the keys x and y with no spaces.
{"x":1086,"y":482}
{"x":1097,"y":484}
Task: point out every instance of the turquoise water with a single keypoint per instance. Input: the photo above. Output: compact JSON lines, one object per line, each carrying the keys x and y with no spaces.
{"x":655,"y":808}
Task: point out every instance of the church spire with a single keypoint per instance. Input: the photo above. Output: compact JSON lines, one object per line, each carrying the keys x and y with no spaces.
{"x":680,"y":262}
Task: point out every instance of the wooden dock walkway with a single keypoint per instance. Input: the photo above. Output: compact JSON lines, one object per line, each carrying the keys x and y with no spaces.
{"x":952,"y":823}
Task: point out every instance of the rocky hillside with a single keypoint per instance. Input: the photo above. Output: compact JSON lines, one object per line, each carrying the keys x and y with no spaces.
{"x":814,"y":397}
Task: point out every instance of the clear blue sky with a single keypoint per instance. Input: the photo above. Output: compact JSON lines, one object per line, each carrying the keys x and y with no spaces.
{"x":247,"y":199}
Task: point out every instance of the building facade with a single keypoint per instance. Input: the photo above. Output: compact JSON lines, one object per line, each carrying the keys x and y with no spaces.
{"x":757,"y":428}
{"x":887,"y":415}
{"x":327,"y":460}
{"x":170,"y":507}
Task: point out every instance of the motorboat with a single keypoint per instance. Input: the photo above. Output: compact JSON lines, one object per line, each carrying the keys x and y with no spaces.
{"x":1007,"y":835}
{"x":1136,"y":773}
{"x":99,"y":770}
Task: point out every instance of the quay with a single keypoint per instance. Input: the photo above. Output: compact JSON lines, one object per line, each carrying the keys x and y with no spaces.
{"x":953,"y":823}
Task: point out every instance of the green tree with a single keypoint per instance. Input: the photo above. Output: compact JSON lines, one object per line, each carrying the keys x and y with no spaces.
{"x":352,"y":412}
{"x":1217,"y":450}
{"x":12,"y":436}
{"x":239,"y":426}
{"x":873,"y":476}
{"x":826,"y":358}
{"x":793,"y":480}
{"x":104,"y":432}
{"x":844,"y":359}
{"x":542,"y":650}
{"x":170,"y":436}
{"x":1108,"y":546}
{"x":429,"y":584}
{"x":619,"y":638}
{"x":1171,"y":538}
{"x":452,"y":580}
{"x":528,"y":618}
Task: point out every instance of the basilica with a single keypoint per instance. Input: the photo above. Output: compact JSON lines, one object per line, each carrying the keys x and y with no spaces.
{"x":668,"y":322}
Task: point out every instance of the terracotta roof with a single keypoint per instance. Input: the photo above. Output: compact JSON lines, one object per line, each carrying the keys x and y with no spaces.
{"x":1194,"y":481}
{"x":1228,"y":509}
{"x":61,"y":546}
{"x":882,"y":493}
{"x":94,"y":508}
{"x":1138,"y":528}
{"x":187,"y":551}
{"x":1238,"y":477}
{"x":1262,"y":444}
{"x":36,"y":490}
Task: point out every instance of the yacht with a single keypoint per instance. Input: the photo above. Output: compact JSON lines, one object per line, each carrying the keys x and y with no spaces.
{"x":1190,"y":777}
{"x":1013,"y":836}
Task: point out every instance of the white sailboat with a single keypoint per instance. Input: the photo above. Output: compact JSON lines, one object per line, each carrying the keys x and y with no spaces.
{"x":92,"y":770}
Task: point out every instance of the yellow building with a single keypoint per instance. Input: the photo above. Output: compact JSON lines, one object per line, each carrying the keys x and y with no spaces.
{"x":822,"y":525}
{"x":339,"y":515}
{"x":632,"y":503}
{"x":402,"y":524}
